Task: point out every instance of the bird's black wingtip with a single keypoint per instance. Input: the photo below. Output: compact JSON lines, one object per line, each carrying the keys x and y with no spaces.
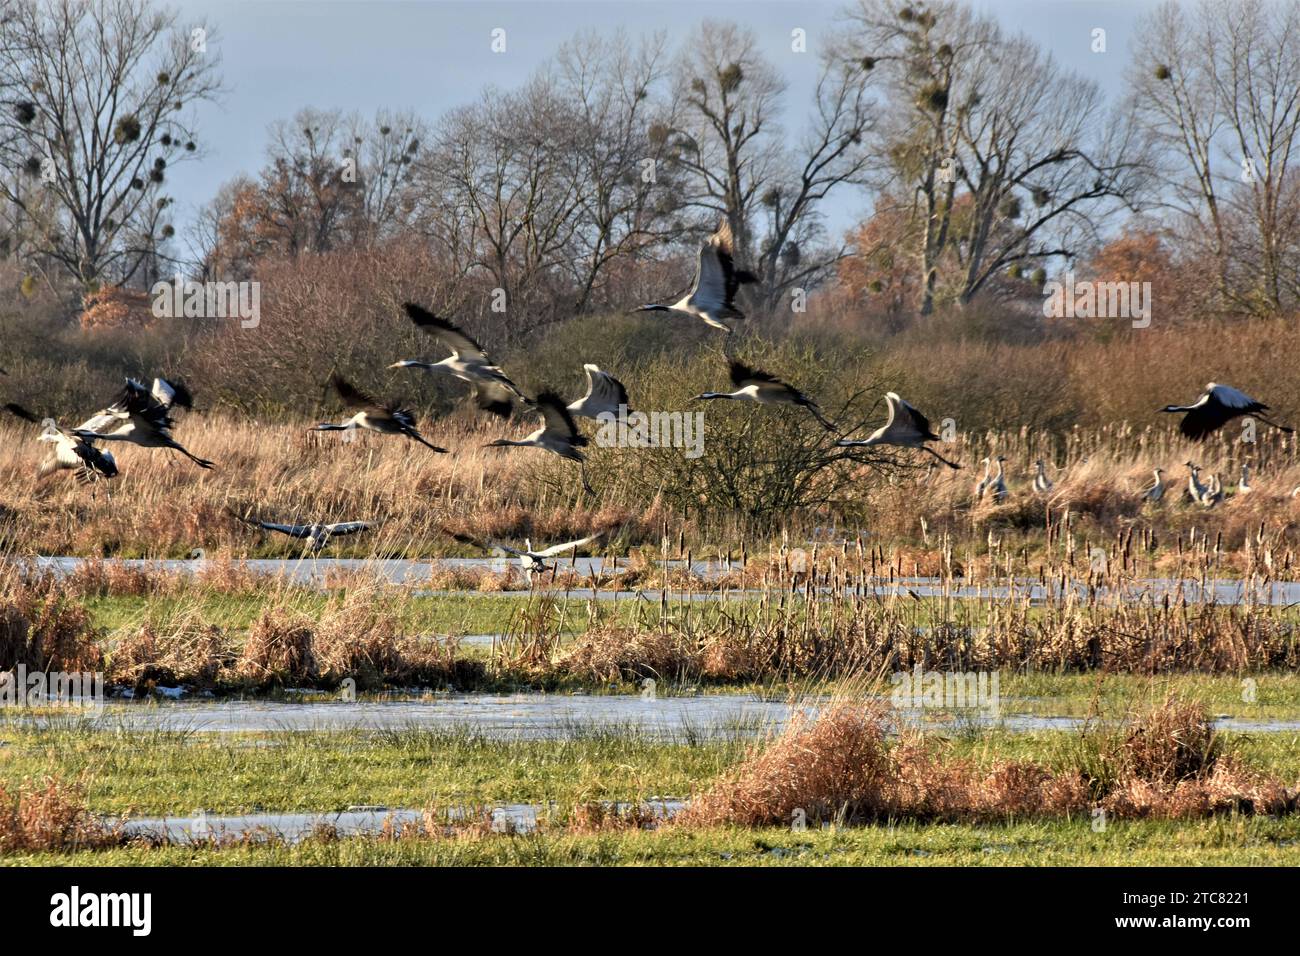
{"x":13,"y":408}
{"x":419,"y":314}
{"x":549,"y":397}
{"x":181,"y":394}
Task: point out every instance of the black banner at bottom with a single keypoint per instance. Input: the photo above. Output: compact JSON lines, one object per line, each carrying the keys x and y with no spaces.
{"x":304,"y":906}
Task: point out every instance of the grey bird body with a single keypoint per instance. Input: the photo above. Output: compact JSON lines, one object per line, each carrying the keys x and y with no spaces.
{"x":605,"y":395}
{"x":317,"y":536}
{"x":373,"y":415}
{"x":141,"y":417}
{"x":905,"y":427}
{"x":754,"y":385}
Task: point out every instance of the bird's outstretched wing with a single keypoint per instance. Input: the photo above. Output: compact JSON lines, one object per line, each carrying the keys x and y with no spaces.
{"x":354,"y":397}
{"x":911,"y":413}
{"x":451,"y":336}
{"x":172,"y":393}
{"x":468,"y":539}
{"x":495,"y":397}
{"x":742,"y":375}
{"x":568,"y":545}
{"x":1217,"y":406}
{"x":14,"y":408}
{"x":347,"y":527}
{"x":292,"y":530}
{"x":556,"y":417}
{"x":724,"y":246}
{"x":105,"y":421}
{"x":605,"y":393}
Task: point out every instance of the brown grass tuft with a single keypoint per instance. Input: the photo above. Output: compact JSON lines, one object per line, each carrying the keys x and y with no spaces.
{"x":834,"y":765}
{"x":278,"y":650}
{"x":49,"y":816}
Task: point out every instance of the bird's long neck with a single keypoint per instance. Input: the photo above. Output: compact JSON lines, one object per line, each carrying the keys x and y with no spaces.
{"x":999,"y":470}
{"x":721,"y":395}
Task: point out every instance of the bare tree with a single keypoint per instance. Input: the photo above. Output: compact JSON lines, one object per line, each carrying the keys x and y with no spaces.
{"x":630,"y":195}
{"x":501,"y":187}
{"x":988,"y":125}
{"x":742,"y":166}
{"x":1221,"y":94}
{"x":728,"y":139}
{"x":101,"y":88}
{"x":331,"y":181}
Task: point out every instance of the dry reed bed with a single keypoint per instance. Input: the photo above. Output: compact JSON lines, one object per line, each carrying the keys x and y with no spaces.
{"x":161,"y":505}
{"x":787,"y":630}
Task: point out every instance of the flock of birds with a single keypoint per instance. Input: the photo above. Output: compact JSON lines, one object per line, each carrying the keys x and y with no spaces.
{"x":993,"y":486}
{"x":1217,"y":405}
{"x":144,"y":416}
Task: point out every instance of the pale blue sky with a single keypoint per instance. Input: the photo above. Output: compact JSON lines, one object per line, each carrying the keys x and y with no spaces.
{"x":279,"y":56}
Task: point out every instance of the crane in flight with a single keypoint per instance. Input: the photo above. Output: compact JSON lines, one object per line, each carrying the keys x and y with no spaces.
{"x":387,"y":418}
{"x":712,"y":297}
{"x":469,"y":362}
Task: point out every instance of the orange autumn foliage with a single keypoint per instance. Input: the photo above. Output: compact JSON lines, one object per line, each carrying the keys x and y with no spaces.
{"x":113,"y":307}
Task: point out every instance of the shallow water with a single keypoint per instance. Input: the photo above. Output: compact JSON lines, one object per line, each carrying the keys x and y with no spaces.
{"x":316,"y":571}
{"x":201,"y":826}
{"x":545,"y":716}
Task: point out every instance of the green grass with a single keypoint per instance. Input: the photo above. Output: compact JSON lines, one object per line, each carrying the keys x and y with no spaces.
{"x":1224,"y":841}
{"x":1277,"y":693}
{"x":171,"y":773}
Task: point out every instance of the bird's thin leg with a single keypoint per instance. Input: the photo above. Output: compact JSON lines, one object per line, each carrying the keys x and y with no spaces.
{"x":427,"y":444}
{"x":201,"y":462}
{"x":1285,"y":428}
{"x":826,"y":423}
{"x":950,"y":464}
{"x":582,"y":470}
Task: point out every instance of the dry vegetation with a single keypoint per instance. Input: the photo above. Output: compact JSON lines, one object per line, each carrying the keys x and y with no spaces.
{"x":161,"y":506}
{"x":830,"y":614}
{"x":843,"y":765}
{"x":49,"y":815}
